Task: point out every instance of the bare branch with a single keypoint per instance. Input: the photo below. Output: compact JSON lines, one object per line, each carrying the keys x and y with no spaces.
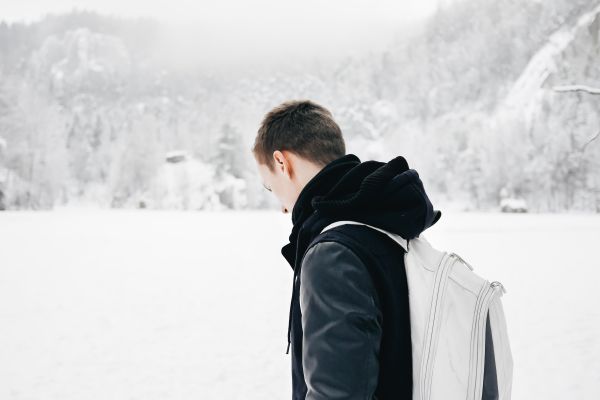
{"x":577,"y":88}
{"x":590,"y":141}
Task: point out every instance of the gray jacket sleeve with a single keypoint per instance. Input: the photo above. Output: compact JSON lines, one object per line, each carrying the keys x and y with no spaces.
{"x":341,"y":323}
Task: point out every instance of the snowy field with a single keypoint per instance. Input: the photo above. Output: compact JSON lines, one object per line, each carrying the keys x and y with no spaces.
{"x":182,"y":305}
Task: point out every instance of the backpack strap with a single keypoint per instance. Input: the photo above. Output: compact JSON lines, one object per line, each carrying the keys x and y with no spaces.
{"x":397,"y":238}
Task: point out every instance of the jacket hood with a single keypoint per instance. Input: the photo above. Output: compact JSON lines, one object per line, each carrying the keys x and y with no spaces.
{"x":388,"y":195}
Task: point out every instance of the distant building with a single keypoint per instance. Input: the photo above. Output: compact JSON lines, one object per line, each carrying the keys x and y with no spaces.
{"x":176,"y":156}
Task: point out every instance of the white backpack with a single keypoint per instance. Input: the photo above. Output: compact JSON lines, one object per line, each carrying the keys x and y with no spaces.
{"x":451,"y":341}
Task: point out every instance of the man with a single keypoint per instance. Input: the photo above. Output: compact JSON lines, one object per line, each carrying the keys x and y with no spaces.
{"x":349,"y":326}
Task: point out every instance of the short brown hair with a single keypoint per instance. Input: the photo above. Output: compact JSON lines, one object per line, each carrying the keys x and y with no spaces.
{"x":300,"y":126}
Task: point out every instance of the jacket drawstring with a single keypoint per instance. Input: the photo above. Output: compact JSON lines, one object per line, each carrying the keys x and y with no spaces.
{"x":290,"y":313}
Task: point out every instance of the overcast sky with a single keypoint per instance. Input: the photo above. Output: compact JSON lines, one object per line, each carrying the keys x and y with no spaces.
{"x":251,"y":30}
{"x":186,"y":10}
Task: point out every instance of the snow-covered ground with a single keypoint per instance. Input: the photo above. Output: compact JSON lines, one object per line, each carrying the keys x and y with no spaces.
{"x":193,"y":305}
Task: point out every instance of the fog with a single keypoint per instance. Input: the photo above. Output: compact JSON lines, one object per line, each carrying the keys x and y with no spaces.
{"x":232,"y":36}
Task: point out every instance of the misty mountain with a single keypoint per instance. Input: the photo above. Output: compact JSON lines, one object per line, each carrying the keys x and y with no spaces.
{"x":486,"y":100}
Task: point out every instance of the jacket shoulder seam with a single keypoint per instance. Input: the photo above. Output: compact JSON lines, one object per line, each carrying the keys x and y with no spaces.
{"x":341,"y":242}
{"x":346,"y":241}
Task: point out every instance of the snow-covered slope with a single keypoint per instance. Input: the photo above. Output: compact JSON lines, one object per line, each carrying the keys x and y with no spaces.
{"x":81,"y":61}
{"x":529,"y":89}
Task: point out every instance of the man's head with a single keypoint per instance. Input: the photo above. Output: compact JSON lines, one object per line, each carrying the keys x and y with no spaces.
{"x":295,"y":141}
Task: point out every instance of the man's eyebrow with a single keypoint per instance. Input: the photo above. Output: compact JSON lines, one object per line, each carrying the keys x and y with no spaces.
{"x":266,"y":187}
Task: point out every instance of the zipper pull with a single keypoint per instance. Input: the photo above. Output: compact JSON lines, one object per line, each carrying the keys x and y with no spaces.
{"x":496,"y":283}
{"x":462,"y":260}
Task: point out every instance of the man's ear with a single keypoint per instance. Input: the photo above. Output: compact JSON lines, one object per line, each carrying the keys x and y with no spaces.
{"x":283,"y":162}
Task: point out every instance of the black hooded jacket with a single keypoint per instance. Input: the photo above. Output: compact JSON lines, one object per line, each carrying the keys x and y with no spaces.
{"x":349,"y":325}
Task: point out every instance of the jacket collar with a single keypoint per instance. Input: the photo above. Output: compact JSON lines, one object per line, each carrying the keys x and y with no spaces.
{"x":318,"y":185}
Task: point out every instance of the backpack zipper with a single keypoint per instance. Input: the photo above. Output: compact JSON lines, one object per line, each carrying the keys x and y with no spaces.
{"x":431,"y":329}
{"x":503,"y":359}
{"x":491,"y":290}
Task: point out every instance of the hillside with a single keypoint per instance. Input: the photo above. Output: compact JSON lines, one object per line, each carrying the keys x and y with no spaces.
{"x":478,"y":99}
